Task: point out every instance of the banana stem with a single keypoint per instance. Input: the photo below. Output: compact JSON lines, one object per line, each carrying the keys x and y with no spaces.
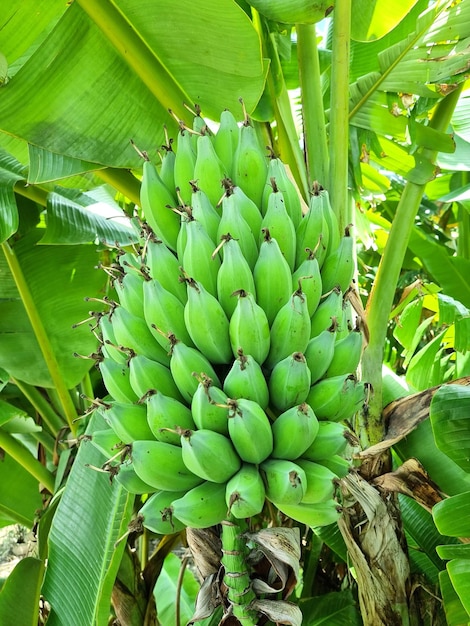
{"x":339,"y":113}
{"x":237,"y":576}
{"x":383,"y":290}
{"x":41,"y":336}
{"x":123,"y":181}
{"x":22,"y":456}
{"x":315,"y":138}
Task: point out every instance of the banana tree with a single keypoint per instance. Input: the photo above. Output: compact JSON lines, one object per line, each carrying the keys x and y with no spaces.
{"x":379,"y":103}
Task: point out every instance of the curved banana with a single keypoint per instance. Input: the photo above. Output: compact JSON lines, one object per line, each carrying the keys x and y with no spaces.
{"x":203,"y":211}
{"x":245,"y":379}
{"x":209,"y":171}
{"x":309,"y":273}
{"x":209,"y":455}
{"x":197,"y":257}
{"x":146,"y":375}
{"x":117,"y":381}
{"x":164,"y":314}
{"x":338,"y":267}
{"x":337,"y":398}
{"x":245,"y":492}
{"x":157,"y":513}
{"x":280,"y":225}
{"x":164,"y":415}
{"x":184,"y":362}
{"x":209,"y":406}
{"x":289,"y":383}
{"x":164,"y":267}
{"x":250,"y":430}
{"x":234,"y":274}
{"x":320,"y":351}
{"x":320,"y":482}
{"x":330,"y":441}
{"x":329,"y":310}
{"x":347,"y":354}
{"x":185,"y":161}
{"x":285,"y":481}
{"x":249,"y":167}
{"x":249,"y":328}
{"x":201,"y":507}
{"x":277,"y":170}
{"x":129,"y":289}
{"x":129,"y":421}
{"x":312,"y":231}
{"x":226,"y":139}
{"x":233,"y":223}
{"x":294,"y":431}
{"x":313,"y":515}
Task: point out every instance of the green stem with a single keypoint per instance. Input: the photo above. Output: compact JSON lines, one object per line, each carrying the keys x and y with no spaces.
{"x":315,"y":138}
{"x":135,"y":51}
{"x":41,"y":335}
{"x":311,"y":566}
{"x":123,"y":181}
{"x":33,"y":192}
{"x":339,"y":116}
{"x":22,"y":456}
{"x":41,"y":405}
{"x":383,"y":290}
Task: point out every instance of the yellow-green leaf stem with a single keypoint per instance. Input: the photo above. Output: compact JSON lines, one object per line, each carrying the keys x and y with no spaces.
{"x":380,"y":300}
{"x":22,"y":456}
{"x":123,"y":181}
{"x":41,"y":336}
{"x":339,"y":116}
{"x":315,"y":138}
{"x":140,"y":58}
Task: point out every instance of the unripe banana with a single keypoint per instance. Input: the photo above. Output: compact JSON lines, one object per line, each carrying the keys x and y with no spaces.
{"x":293,"y":11}
{"x":329,"y":309}
{"x":127,"y":477}
{"x":234,"y":275}
{"x":347,"y":354}
{"x":158,"y":514}
{"x":203,"y":211}
{"x":290,"y":330}
{"x":198,"y":261}
{"x":129,"y":421}
{"x":233,"y":222}
{"x":309,"y":273}
{"x":245,"y":379}
{"x":285,"y":481}
{"x":313,"y":515}
{"x":245,"y":206}
{"x":167,"y":167}
{"x":250,"y":430}
{"x":280,"y":225}
{"x":336,"y":398}
{"x":161,"y":465}
{"x":320,"y":351}
{"x":116,"y":380}
{"x":164,"y":414}
{"x":249,"y":328}
{"x":183,"y":362}
{"x":348,"y":319}
{"x":164,"y":267}
{"x":146,"y":375}
{"x":110,"y":347}
{"x":209,"y":455}
{"x":312,"y":231}
{"x":201,"y":507}
{"x":184,"y":164}
{"x":289,"y":383}
{"x":186,"y":216}
{"x":226,"y":139}
{"x":132,"y":332}
{"x":156,"y":202}
{"x":106,"y":441}
{"x":209,"y":406}
{"x":294,"y":431}
{"x":207,"y":323}
{"x":338,"y":267}
{"x":337,"y":464}
{"x":320,"y":485}
{"x":273,"y":278}
{"x":245,"y":492}
{"x":164,"y":314}
{"x":330,"y":441}
{"x":249,"y":168}
{"x":277,"y":170}
{"x":209,"y":171}
{"x":331,"y":220}
{"x":129,"y":290}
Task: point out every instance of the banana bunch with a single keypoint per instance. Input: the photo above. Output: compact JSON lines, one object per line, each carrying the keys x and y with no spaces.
{"x":230,"y":353}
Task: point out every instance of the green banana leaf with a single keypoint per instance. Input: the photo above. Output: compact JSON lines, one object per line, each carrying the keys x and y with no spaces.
{"x":19,"y":597}
{"x":331,"y":609}
{"x":19,"y":494}
{"x":373,"y":20}
{"x":450,"y":420}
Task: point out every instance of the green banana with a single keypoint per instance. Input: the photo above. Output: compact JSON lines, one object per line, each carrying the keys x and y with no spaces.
{"x":184,"y":361}
{"x":328,"y":311}
{"x":107,"y":442}
{"x":185,"y":161}
{"x":250,"y":430}
{"x":116,"y":379}
{"x":245,"y":492}
{"x":249,"y":168}
{"x":164,"y":414}
{"x":330,"y":441}
{"x":285,"y":481}
{"x":226,"y":139}
{"x":129,"y":289}
{"x":158,"y":514}
{"x":289,"y":383}
{"x":347,"y":319}
{"x":209,"y":455}
{"x":207,"y":323}
{"x":338,"y":267}
{"x":245,"y":206}
{"x":320,"y":482}
{"x":249,"y":328}
{"x":277,"y":170}
{"x":233,"y":223}
{"x":273,"y":278}
{"x":164,"y":267}
{"x":201,"y":507}
{"x":337,"y":464}
{"x":209,"y":406}
{"x":161,"y":465}
{"x":336,"y":398}
{"x":127,"y":477}
{"x":146,"y":375}
{"x":129,"y":421}
{"x":280,"y":225}
{"x":167,"y":166}
{"x":132,"y":332}
{"x":320,"y":351}
{"x":290,"y":330}
{"x":186,"y":215}
{"x":245,"y":379}
{"x":156,"y":202}
{"x":309,"y":273}
{"x":164,"y":314}
{"x":110,"y":346}
{"x":347,"y":354}
{"x":203,"y":211}
{"x":234,"y":275}
{"x":209,"y":171}
{"x":294,"y":431}
{"x":198,"y":260}
{"x":312,"y":231}
{"x":313,"y":515}
{"x":332,"y":221}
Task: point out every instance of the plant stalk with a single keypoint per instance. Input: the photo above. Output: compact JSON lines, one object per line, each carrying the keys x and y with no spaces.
{"x":41,"y":405}
{"x":22,"y":456}
{"x":123,"y":181}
